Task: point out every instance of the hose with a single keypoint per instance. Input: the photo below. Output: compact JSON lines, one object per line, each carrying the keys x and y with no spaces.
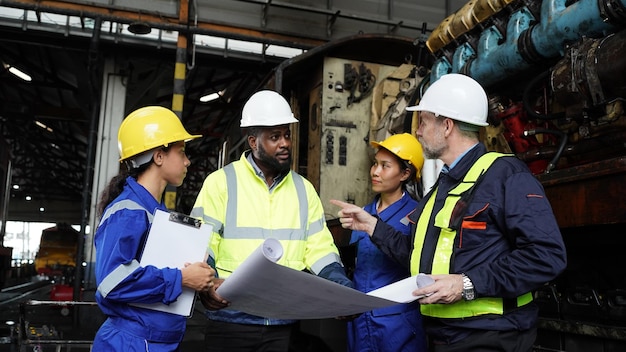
{"x":563,"y":141}
{"x":526,"y":99}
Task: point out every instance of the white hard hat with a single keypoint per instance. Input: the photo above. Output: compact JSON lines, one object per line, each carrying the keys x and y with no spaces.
{"x":458,"y":97}
{"x":266,"y":108}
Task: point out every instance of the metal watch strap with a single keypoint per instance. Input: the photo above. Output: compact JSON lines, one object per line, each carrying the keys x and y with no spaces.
{"x":468,"y":288}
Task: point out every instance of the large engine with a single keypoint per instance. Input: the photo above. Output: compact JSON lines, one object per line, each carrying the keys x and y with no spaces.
{"x":555,"y":71}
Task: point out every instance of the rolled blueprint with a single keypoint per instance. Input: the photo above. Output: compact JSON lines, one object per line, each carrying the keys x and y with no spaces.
{"x":262,"y":260}
{"x":262,"y":287}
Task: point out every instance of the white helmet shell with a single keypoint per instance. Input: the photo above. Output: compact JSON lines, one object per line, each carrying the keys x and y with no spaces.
{"x":458,"y":97}
{"x":266,"y":108}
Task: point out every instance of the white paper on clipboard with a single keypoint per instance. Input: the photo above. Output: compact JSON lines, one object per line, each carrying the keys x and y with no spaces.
{"x":175,"y":239}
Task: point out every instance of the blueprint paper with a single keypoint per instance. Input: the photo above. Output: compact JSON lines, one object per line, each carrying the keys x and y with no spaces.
{"x":400,"y":291}
{"x":261,"y":287}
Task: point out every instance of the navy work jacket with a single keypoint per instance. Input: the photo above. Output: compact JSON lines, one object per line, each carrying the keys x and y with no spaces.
{"x":520,"y":250}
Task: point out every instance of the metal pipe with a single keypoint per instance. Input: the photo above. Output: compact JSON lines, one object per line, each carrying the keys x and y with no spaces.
{"x":180,"y":67}
{"x":529,"y":40}
{"x":95,"y":80}
{"x":166,"y":23}
{"x":562,"y":142}
{"x":605,"y":144}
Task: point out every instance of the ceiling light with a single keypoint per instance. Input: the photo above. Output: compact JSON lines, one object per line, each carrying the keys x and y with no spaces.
{"x":16,"y":186}
{"x":29,"y":198}
{"x":213,"y":96}
{"x":42,"y":209}
{"x":139,"y":28}
{"x":43,"y":125}
{"x":17,"y":72}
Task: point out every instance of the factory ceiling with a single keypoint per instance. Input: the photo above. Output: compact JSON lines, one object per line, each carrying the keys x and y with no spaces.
{"x":49,"y":125}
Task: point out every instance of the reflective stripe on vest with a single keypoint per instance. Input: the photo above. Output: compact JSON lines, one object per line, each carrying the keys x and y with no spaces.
{"x":236,"y":232}
{"x":445,"y":246}
{"x":124,"y":270}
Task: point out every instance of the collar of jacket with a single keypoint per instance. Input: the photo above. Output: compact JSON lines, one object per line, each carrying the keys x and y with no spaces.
{"x":460,"y":169}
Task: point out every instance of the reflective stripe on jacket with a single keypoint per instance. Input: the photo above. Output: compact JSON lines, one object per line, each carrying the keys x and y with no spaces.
{"x":119,"y":241}
{"x":519,"y":250}
{"x":450,"y":219}
{"x":396,"y":328}
{"x":244,"y":212}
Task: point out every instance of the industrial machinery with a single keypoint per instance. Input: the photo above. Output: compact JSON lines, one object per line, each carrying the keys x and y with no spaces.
{"x":56,"y":257}
{"x":555,"y":73}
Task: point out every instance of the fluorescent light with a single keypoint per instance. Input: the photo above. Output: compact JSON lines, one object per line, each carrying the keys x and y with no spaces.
{"x":43,"y":125}
{"x":213,"y":96}
{"x":18,"y":73}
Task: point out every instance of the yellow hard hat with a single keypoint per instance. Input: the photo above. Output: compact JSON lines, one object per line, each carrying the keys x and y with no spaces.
{"x":147,"y":128}
{"x":406,"y":147}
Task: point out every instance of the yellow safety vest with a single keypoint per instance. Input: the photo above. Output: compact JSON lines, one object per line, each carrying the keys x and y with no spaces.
{"x":244,"y":213}
{"x":445,"y":246}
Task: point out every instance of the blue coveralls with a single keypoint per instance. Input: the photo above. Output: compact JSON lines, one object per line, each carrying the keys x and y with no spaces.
{"x":397,"y":328}
{"x":519,"y":250}
{"x":119,"y":241}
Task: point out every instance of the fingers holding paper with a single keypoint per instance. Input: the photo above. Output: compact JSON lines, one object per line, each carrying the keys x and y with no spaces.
{"x":210,"y":299}
{"x":446,"y":289}
{"x":198,"y":276}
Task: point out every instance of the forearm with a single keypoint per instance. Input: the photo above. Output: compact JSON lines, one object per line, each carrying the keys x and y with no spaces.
{"x":392,"y":242}
{"x":336,"y":273}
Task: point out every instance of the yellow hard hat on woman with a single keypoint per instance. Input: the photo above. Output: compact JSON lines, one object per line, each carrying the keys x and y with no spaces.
{"x":406,"y":147}
{"x":147,"y":128}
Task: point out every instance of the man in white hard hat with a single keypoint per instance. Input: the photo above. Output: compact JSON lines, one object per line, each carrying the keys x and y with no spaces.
{"x":271,"y":201}
{"x":485,"y":233}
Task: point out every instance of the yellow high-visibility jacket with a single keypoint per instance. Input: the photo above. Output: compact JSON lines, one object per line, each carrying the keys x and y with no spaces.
{"x":244,"y":212}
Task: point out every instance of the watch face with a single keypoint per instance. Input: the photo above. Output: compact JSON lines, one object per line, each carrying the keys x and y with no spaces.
{"x":468,"y":289}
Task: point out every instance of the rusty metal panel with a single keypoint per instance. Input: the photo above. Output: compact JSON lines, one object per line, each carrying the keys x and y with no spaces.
{"x":314,"y":128}
{"x":590,"y":194}
{"x":345,"y":154}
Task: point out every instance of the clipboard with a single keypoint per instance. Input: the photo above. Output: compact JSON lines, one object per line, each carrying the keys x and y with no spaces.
{"x":173,"y":240}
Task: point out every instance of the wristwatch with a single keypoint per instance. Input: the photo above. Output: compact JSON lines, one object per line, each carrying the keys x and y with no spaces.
{"x":468,"y":288}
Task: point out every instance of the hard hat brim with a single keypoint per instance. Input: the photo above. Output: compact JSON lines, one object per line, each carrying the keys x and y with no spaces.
{"x":377,"y":144}
{"x":192,"y":136}
{"x":414,"y":108}
{"x":186,"y":139}
{"x":422,"y":108}
{"x":269,"y":123}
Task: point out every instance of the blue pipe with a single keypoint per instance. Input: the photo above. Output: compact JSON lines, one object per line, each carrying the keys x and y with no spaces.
{"x":567,"y":24}
{"x":492,"y":59}
{"x":498,"y":61}
{"x":527,"y":41}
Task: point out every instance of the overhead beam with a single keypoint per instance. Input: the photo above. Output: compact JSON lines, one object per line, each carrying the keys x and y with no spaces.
{"x":163,"y":22}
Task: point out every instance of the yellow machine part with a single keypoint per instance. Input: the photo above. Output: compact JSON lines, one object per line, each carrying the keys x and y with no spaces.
{"x":463,"y":20}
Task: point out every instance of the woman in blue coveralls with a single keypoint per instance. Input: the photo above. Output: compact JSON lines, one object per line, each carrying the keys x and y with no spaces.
{"x":152,"y":146}
{"x":395,"y":178}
